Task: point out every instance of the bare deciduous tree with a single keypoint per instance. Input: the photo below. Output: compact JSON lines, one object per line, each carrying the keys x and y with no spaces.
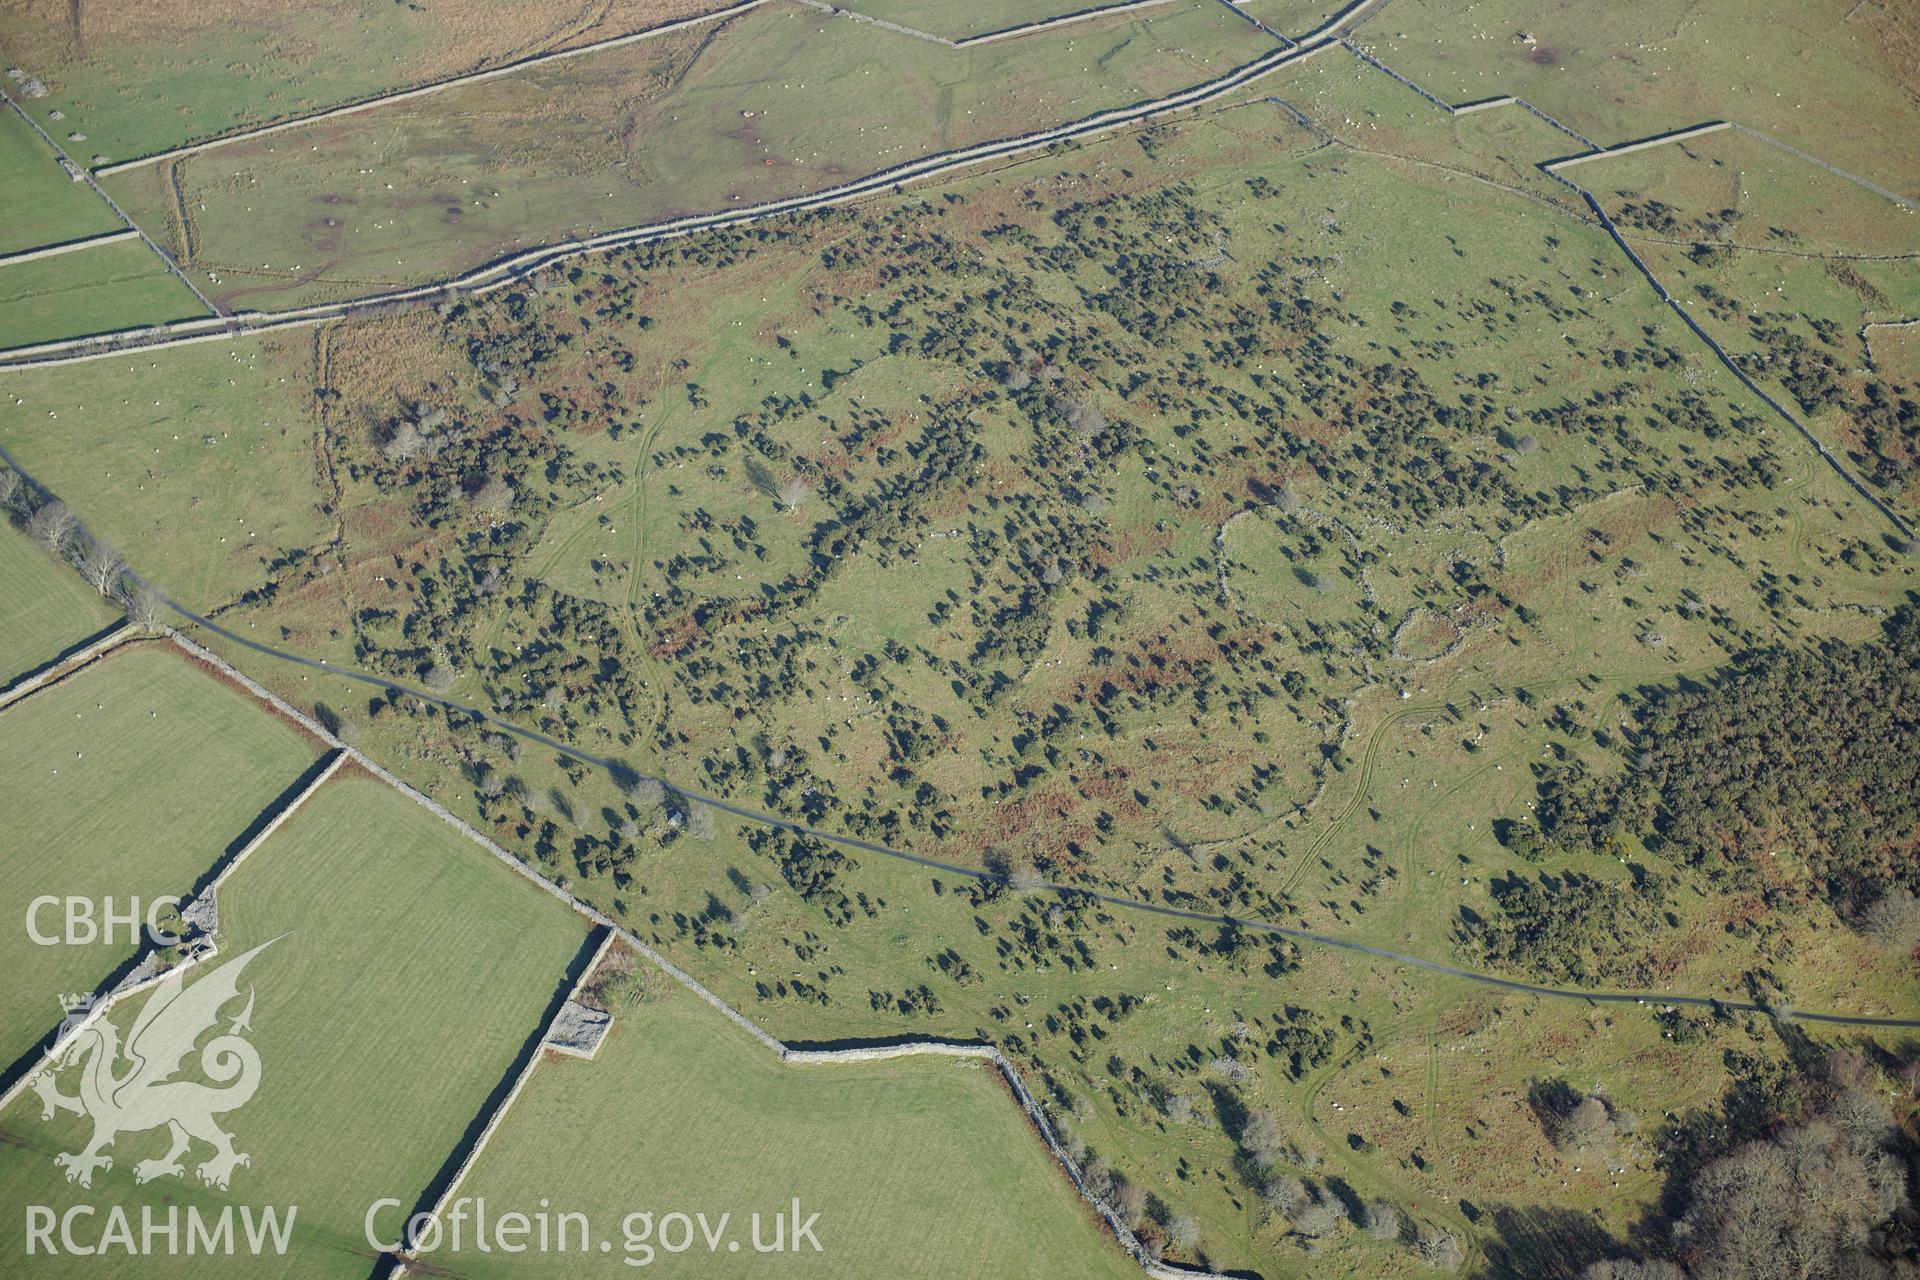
{"x":144,"y":608}
{"x":1587,"y":1127}
{"x":1099,"y":1180}
{"x":101,"y":566}
{"x":52,"y":525}
{"x":1286,"y":1195}
{"x":700,"y":823}
{"x":1262,"y":1140}
{"x":793,"y":492}
{"x":1894,"y":921}
{"x":494,"y":498}
{"x":1630,"y":1269}
{"x":405,"y":443}
{"x":1017,"y":870}
{"x":1439,"y":1248}
{"x":1815,"y":1195}
{"x":1316,"y":1220}
{"x":13,"y":490}
{"x":1381,"y":1220}
{"x":647,"y":793}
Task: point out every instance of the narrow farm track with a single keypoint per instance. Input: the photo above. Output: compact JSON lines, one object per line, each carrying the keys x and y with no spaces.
{"x":1365,"y":1171}
{"x":1361,"y":787}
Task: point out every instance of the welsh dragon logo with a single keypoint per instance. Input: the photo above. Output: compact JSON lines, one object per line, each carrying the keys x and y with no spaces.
{"x":144,"y":1095}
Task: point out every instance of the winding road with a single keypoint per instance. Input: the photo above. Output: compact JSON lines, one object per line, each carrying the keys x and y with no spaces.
{"x":626,"y":774}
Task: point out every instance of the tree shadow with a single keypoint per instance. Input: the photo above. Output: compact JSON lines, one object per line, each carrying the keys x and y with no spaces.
{"x":1536,"y":1242}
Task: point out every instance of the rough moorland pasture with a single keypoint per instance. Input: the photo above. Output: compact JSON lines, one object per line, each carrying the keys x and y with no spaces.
{"x":919,"y":1166}
{"x":39,"y":203}
{"x":136,"y":79}
{"x":409,"y":972}
{"x":1896,"y":350}
{"x":649,"y":478}
{"x":202,"y":464}
{"x":1786,"y":265}
{"x":100,"y":290}
{"x":49,"y":609}
{"x":780,"y":101}
{"x":130,"y":779}
{"x":1831,"y":77}
{"x":958,"y":22}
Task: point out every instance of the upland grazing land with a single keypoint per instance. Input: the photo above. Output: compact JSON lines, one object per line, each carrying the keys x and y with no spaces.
{"x":786,"y":101}
{"x":1831,"y":76}
{"x":211,"y":458}
{"x":108,"y":793}
{"x":1631,"y":565}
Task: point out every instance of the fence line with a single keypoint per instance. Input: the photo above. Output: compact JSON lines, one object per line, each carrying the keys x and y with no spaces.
{"x":62,"y":667}
{"x":68,"y":246}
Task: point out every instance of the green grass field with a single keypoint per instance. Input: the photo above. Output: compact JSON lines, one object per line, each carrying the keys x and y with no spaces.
{"x":40,"y":204}
{"x":916,"y":1166}
{"x":49,"y":609}
{"x":130,"y":779}
{"x":1292,"y":17}
{"x":407,"y":972}
{"x":99,"y":290}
